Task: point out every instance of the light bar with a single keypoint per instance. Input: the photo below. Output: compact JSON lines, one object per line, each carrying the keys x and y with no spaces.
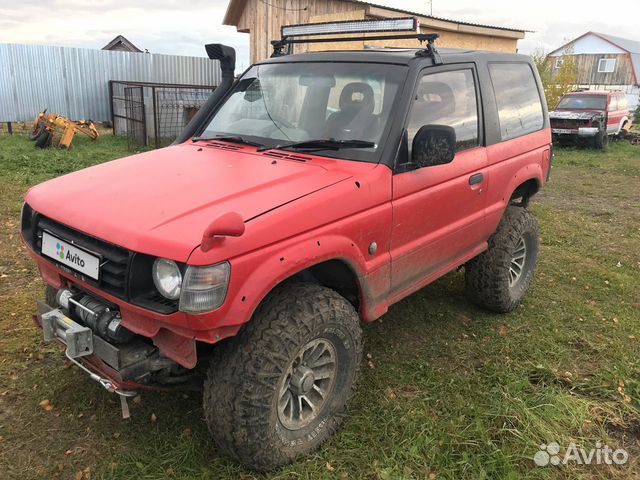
{"x":408,"y":24}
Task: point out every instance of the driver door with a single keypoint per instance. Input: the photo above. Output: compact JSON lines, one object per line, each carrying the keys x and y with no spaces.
{"x":438,"y":210}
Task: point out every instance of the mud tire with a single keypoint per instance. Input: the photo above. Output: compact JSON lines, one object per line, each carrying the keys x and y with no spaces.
{"x":487,"y":276}
{"x":244,"y":378}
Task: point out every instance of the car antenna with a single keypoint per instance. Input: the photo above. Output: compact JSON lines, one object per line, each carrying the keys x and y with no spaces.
{"x":430,"y":50}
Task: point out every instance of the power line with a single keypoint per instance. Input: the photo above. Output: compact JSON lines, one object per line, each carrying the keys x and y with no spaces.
{"x":284,"y":8}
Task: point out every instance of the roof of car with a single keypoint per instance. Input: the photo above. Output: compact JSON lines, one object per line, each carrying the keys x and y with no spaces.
{"x":392,"y":55}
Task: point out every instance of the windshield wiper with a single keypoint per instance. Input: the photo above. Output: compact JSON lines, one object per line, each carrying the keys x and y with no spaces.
{"x":320,"y":144}
{"x":229,"y":138}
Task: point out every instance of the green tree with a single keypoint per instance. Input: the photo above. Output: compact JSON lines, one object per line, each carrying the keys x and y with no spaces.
{"x":556,"y":81}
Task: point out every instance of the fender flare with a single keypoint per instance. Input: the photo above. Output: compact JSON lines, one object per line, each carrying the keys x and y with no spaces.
{"x":258,"y":273}
{"x":531,"y":171}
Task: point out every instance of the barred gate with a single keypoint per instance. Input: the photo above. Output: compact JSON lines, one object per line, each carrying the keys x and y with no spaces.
{"x":135,"y":117}
{"x":153,"y":113}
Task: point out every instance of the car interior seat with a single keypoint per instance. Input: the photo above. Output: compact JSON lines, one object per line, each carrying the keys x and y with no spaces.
{"x":355,"y":120}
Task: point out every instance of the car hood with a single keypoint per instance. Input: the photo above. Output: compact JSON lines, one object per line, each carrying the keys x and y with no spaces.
{"x":575,"y":114}
{"x":160,"y":202}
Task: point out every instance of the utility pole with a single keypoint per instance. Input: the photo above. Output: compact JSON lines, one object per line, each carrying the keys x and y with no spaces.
{"x":431,"y":7}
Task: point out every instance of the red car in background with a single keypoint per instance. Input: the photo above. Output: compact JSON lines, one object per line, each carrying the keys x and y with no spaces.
{"x":590,"y":116}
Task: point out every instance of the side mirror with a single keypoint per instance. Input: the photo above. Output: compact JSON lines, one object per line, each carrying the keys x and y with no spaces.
{"x":433,"y":145}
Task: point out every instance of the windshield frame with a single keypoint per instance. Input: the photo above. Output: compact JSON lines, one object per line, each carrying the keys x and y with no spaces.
{"x":348,"y":154}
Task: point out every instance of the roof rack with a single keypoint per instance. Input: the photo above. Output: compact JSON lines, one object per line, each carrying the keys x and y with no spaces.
{"x":407,"y":24}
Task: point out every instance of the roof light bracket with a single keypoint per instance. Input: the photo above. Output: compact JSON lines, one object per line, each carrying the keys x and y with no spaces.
{"x":430,"y":50}
{"x":366,"y":27}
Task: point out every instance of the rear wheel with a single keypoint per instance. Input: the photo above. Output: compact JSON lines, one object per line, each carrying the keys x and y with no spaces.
{"x":281,"y":387}
{"x":500,"y":278}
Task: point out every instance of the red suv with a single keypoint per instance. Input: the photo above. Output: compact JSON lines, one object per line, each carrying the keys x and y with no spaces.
{"x":305,"y":198}
{"x":592,"y":116}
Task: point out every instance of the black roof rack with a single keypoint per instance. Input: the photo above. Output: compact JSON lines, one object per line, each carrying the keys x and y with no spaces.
{"x":287,"y":41}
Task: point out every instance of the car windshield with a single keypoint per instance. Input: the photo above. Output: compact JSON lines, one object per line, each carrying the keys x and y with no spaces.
{"x":584,"y":102}
{"x":276,"y":104}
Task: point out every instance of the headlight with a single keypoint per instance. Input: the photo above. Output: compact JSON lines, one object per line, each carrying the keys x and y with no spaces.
{"x":204,"y":288}
{"x":167,"y":278}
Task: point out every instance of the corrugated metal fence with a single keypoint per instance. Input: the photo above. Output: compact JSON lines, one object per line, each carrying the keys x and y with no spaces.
{"x":74,"y":81}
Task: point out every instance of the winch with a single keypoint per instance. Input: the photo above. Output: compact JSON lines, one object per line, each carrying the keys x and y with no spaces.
{"x":95,"y":314}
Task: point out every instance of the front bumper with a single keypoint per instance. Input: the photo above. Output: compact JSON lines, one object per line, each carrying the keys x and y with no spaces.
{"x":122,"y":369}
{"x":579,"y":132}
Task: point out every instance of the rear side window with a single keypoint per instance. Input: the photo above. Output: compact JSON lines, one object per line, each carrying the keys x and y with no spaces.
{"x":622,"y":102}
{"x":518,"y":99}
{"x":613,"y":104}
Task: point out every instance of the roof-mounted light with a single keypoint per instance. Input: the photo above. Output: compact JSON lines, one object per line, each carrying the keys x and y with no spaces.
{"x":370,"y":30}
{"x":408,"y":24}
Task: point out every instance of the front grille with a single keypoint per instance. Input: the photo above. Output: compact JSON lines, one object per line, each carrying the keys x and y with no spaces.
{"x":123,"y":274}
{"x":115,"y":260}
{"x":568,"y":123}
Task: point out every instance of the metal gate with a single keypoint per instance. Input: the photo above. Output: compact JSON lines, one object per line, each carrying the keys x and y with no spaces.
{"x":153,"y":113}
{"x":135,"y":117}
{"x":174,"y":108}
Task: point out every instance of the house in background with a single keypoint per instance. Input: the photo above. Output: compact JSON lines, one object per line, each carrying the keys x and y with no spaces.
{"x":604,"y":62}
{"x":262,"y":20}
{"x":121,"y":44}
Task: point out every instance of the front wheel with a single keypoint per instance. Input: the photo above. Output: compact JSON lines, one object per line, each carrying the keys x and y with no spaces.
{"x":499,"y":278}
{"x":281,"y":387}
{"x":601,"y":140}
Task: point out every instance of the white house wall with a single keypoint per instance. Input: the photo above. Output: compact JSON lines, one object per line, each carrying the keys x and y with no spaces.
{"x":589,"y":44}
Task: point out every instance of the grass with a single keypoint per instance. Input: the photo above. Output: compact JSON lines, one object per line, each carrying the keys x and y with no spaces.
{"x":448,"y":391}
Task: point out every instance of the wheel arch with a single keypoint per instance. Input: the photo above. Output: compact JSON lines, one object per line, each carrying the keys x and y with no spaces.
{"x":337,"y":274}
{"x":522,"y":193}
{"x":623,"y":123}
{"x":342,"y":269}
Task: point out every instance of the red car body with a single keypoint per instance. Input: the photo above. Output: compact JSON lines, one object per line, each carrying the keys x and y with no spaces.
{"x":393,"y":233}
{"x":326,"y":210}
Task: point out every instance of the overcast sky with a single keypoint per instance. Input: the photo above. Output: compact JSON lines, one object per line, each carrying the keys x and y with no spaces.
{"x":183,"y":27}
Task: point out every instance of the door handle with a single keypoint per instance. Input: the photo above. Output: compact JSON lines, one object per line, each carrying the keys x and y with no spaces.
{"x":476,"y":179}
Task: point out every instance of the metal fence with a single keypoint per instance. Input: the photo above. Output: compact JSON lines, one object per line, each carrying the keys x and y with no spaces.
{"x":153,"y":113}
{"x":74,"y":81}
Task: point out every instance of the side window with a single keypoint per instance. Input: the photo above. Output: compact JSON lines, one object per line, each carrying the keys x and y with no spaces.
{"x":607,"y":65}
{"x":518,"y":99}
{"x":622,"y":102}
{"x":613,"y":103}
{"x":446,"y":99}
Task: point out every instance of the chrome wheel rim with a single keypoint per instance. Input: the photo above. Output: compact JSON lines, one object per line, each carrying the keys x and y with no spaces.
{"x":307,"y":384}
{"x":517,"y":262}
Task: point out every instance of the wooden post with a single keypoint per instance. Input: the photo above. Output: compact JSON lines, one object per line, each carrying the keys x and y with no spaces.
{"x":9,"y":128}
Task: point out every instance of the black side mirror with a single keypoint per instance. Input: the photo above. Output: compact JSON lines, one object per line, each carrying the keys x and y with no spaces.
{"x":433,"y":145}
